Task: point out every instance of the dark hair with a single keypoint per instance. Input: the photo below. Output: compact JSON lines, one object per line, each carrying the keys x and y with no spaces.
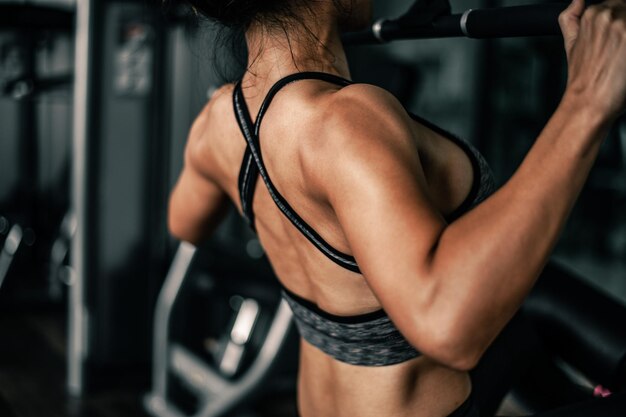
{"x":242,"y":13}
{"x":234,"y":17}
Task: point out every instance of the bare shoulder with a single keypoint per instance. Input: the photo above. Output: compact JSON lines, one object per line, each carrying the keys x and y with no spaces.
{"x":367,"y":93}
{"x":359,"y":125}
{"x":218,"y":105}
{"x":360,"y":116}
{"x":207,"y":129}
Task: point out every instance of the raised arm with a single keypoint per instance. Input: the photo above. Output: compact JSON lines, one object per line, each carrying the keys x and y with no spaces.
{"x":450,"y":288}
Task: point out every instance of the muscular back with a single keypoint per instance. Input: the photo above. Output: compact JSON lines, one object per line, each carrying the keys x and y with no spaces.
{"x":302,"y":138}
{"x":296,"y":137}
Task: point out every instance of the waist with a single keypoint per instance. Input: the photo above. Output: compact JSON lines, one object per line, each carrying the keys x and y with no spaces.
{"x":419,"y":387}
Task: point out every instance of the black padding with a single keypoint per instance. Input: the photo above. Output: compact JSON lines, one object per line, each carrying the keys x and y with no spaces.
{"x":545,"y":386}
{"x":613,"y":406}
{"x":581,"y":324}
{"x":508,"y":358}
{"x":5,"y":408}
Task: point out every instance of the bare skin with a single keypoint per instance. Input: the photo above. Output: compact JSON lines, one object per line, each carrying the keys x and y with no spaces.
{"x":377,"y":185}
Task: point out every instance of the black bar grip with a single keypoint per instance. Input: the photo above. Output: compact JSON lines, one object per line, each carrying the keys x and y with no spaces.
{"x":535,"y":20}
{"x":531,"y":20}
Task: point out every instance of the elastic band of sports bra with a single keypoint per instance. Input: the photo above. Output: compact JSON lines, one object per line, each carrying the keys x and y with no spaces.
{"x":359,"y":318}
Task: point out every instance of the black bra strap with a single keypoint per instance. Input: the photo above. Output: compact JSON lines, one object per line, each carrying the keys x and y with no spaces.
{"x":251,"y":134}
{"x":248,"y":177}
{"x":330,"y":78}
{"x":249,"y":173}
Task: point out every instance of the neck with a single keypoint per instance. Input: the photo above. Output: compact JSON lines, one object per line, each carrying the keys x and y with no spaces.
{"x":275,"y":54}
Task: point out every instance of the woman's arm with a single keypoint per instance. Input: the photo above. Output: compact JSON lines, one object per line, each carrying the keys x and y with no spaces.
{"x":197,"y":204}
{"x":451,"y":288}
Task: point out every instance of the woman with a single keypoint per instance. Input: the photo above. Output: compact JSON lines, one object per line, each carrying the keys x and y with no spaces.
{"x":397,"y":287}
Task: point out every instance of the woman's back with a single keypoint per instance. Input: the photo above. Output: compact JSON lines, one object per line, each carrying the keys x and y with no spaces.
{"x":296,"y":141}
{"x":293,"y":138}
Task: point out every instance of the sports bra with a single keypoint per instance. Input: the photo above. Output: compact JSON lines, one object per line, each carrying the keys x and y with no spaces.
{"x":369,"y":339}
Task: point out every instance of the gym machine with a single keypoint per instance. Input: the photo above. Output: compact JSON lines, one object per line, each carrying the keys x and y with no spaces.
{"x":240,"y":358}
{"x":119,"y":188}
{"x":583,"y":330}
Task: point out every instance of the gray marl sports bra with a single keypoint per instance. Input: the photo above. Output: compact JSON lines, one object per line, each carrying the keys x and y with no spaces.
{"x":369,"y":339}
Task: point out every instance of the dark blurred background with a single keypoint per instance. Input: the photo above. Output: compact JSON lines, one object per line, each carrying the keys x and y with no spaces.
{"x":94,"y":115}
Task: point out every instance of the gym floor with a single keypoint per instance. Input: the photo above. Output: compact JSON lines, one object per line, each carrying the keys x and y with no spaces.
{"x":32,"y":373}
{"x":32,"y":376}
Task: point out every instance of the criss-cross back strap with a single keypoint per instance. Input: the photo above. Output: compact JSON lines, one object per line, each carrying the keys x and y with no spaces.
{"x":253,"y":165}
{"x":248,"y":177}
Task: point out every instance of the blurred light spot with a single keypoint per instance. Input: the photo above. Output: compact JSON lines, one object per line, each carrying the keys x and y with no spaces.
{"x":254,"y":249}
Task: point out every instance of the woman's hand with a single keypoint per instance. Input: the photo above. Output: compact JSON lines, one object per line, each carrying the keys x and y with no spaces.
{"x":595,"y":44}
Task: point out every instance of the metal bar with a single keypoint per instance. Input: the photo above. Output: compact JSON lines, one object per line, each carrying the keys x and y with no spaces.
{"x":502,"y":22}
{"x":196,"y":375}
{"x":77,"y":321}
{"x":7,"y":254}
{"x":165,"y":302}
{"x":159,"y":407}
{"x":537,"y":20}
{"x":218,"y":394}
{"x":264,"y":361}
